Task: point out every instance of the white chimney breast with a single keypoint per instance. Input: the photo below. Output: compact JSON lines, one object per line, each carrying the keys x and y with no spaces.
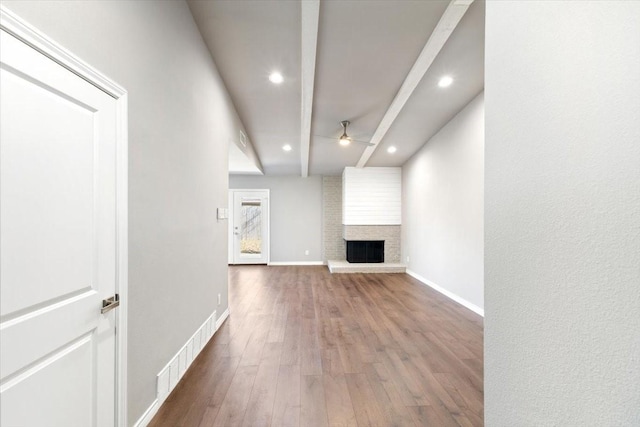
{"x":371,"y":196}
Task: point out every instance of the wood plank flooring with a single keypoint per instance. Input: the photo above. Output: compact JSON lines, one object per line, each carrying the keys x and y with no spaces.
{"x":303,"y":347}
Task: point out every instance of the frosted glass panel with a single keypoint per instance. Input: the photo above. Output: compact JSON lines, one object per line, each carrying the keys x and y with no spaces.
{"x":251,"y":227}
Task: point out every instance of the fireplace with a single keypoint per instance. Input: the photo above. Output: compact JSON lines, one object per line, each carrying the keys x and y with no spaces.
{"x":359,"y":251}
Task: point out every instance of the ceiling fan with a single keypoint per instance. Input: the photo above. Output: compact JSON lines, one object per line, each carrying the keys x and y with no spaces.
{"x":345,"y":139}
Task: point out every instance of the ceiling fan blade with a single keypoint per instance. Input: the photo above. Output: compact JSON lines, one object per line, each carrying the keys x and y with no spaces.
{"x":345,"y":136}
{"x":363,"y":142}
{"x":337,"y":139}
{"x":332,"y":138}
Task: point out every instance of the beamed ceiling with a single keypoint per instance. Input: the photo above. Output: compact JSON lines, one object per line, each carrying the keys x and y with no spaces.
{"x":374,"y":63}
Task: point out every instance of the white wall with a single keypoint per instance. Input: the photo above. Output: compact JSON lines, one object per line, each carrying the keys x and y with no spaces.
{"x":296,"y":214}
{"x":180,"y":123}
{"x":442,"y":211}
{"x":562,"y":325}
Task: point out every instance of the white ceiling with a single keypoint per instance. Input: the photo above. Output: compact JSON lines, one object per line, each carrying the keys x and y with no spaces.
{"x":365,"y":50}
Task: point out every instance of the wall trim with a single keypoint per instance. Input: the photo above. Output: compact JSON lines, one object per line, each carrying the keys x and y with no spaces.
{"x":170,"y":375}
{"x":148,"y":415}
{"x":277,"y":263}
{"x":448,"y":294}
{"x":30,"y":35}
{"x":222,"y":318}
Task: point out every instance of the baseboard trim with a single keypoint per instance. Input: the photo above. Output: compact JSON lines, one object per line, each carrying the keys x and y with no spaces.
{"x":173,"y":371}
{"x":447,"y":293}
{"x":148,"y":415}
{"x":222,"y":318}
{"x":296,"y":263}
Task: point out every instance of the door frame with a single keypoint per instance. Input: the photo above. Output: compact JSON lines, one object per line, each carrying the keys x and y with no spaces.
{"x":16,"y":26}
{"x":231,"y":248}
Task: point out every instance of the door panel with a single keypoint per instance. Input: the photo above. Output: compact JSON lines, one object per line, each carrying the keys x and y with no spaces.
{"x":47,"y":215}
{"x":58,"y":323}
{"x":57,"y":243}
{"x":32,"y":400}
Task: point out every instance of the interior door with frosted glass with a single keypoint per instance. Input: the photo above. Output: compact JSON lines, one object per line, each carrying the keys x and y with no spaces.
{"x":250,"y":227}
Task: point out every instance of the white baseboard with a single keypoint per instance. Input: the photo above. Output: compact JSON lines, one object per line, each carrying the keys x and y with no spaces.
{"x":146,"y":418}
{"x":169,"y":376}
{"x":447,"y":293}
{"x":296,"y":263}
{"x":222,"y":318}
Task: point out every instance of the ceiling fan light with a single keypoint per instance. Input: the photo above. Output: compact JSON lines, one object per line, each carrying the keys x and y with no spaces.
{"x":344,"y":138}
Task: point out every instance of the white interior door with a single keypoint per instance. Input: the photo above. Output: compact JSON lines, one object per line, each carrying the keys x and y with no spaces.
{"x":250,"y":227}
{"x":57,"y":243}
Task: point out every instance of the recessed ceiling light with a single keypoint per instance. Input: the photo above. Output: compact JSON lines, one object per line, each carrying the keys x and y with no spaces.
{"x":445,"y":81}
{"x":286,"y":147}
{"x":276,"y":78}
{"x":392,"y":149}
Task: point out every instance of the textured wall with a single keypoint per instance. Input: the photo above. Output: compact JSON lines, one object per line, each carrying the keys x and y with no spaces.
{"x":295,"y":214}
{"x":443,"y":209}
{"x":562,"y":253}
{"x":180,"y":122}
{"x":372,"y":196}
{"x":389,"y":233}
{"x":333,"y":244}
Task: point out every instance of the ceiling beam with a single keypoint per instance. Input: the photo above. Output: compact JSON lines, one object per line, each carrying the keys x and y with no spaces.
{"x":448,"y":22}
{"x":309,"y":43}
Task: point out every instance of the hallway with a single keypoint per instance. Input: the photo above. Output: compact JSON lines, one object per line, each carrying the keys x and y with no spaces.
{"x":303,"y":347}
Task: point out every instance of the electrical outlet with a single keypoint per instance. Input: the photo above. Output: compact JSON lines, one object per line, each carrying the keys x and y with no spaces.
{"x":408,"y":258}
{"x":219,"y":299}
{"x":306,"y":252}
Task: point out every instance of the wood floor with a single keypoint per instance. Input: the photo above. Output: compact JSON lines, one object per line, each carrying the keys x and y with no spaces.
{"x":306,"y":348}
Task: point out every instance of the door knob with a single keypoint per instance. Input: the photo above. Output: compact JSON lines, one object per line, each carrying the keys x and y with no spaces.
{"x":110,"y":303}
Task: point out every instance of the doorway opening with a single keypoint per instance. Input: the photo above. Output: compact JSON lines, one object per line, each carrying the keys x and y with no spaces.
{"x":249,"y":227}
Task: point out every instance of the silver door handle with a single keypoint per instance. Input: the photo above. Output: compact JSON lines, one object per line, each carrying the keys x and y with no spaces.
{"x":110,"y":303}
